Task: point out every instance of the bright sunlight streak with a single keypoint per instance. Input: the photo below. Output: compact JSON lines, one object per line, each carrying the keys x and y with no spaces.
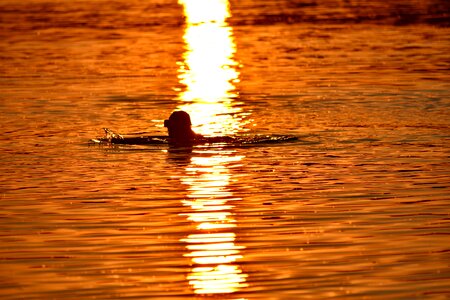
{"x":212,"y":249}
{"x":209,"y":71}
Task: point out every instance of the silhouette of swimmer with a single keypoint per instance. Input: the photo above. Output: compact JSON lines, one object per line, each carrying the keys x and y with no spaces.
{"x":181,"y":134}
{"x":179,"y":127}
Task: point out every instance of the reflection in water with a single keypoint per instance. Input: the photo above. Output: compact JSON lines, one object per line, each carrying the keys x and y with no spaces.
{"x":208,"y":73}
{"x":212,"y":247}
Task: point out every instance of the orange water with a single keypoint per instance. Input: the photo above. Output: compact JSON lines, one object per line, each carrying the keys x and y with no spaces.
{"x":358,"y":208}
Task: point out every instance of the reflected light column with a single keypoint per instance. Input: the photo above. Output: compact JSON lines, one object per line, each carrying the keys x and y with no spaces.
{"x":212,"y":248}
{"x":208,"y":74}
{"x":208,"y":71}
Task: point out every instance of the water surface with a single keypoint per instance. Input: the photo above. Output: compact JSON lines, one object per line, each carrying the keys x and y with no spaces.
{"x":356,"y":209}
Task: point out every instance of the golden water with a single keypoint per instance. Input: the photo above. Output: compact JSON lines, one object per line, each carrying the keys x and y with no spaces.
{"x":358,"y":208}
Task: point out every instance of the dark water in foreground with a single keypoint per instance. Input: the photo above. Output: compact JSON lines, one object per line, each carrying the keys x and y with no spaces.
{"x":357,"y":208}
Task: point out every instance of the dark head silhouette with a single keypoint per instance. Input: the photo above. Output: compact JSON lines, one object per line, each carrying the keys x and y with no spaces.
{"x":179,"y":127}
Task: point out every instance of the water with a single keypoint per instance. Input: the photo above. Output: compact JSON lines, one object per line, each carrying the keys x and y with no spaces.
{"x":356,"y":209}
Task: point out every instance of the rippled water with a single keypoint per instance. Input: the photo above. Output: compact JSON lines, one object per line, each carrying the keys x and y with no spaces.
{"x":357,"y":208}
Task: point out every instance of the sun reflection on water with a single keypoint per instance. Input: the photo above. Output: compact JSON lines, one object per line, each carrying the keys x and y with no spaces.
{"x":212,"y":248}
{"x":208,"y":73}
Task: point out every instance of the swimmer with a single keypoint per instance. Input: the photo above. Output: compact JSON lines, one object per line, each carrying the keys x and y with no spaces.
{"x":181,"y":134}
{"x":179,"y":128}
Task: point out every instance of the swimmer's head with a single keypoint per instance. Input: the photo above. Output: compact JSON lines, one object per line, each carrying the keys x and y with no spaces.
{"x":179,"y":119}
{"x":179,"y":125}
